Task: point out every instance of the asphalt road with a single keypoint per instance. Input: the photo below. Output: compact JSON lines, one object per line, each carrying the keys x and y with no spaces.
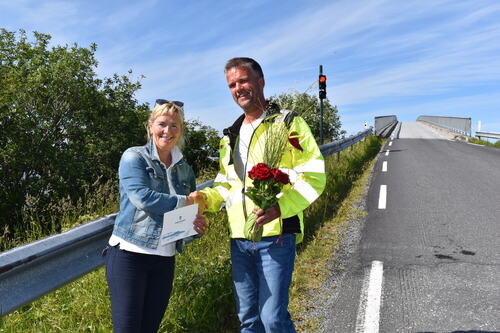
{"x":430,"y":260}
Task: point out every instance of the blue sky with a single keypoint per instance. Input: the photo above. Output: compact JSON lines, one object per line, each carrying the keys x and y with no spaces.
{"x":408,"y":58}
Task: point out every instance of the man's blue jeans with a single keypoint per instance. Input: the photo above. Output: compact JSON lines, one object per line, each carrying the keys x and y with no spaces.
{"x":262,"y":273}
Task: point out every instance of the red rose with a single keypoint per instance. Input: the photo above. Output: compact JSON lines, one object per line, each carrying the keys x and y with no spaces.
{"x":260,"y":171}
{"x":280,"y":176}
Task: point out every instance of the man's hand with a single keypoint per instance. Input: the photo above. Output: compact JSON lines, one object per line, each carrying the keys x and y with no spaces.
{"x":266,"y":216}
{"x":198,"y":198}
{"x":200,"y":224}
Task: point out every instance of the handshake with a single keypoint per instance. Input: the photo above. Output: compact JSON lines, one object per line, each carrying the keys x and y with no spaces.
{"x":199,"y":198}
{"x":200,"y":224}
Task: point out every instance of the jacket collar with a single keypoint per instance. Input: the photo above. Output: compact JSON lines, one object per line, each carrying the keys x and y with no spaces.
{"x":176,"y":153}
{"x":233,"y":131}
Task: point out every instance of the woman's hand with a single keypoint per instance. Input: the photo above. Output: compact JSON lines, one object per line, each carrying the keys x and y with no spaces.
{"x":200,"y":224}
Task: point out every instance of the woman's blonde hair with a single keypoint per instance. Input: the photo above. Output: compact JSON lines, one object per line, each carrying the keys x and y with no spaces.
{"x":163,"y":109}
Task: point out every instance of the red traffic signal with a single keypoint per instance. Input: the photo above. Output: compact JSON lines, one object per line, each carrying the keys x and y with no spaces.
{"x":322,"y":86}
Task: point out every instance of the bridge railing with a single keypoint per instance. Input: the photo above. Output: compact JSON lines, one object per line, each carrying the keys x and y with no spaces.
{"x":384,"y":125}
{"x":33,"y":270}
{"x":492,"y":135}
{"x":454,"y":124}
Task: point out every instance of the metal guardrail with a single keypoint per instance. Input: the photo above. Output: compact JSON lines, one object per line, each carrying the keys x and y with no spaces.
{"x":33,"y":270}
{"x":492,"y":135}
{"x":454,"y":124}
{"x":336,"y":146}
{"x":30,"y":271}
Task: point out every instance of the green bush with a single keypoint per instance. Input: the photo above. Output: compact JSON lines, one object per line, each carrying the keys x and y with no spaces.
{"x":62,"y":128}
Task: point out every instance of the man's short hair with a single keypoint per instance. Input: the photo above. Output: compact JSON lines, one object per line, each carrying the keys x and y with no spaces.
{"x":244,"y":62}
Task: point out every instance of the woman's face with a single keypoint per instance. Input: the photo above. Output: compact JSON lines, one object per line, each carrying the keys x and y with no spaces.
{"x":166,"y":131}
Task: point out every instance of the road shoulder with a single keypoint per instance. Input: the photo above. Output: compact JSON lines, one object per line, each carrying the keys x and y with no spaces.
{"x":332,"y":305}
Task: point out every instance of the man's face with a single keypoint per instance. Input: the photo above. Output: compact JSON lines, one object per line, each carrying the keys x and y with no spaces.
{"x":246,"y":88}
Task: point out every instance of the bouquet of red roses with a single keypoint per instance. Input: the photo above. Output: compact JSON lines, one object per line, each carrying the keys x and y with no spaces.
{"x":267,"y":183}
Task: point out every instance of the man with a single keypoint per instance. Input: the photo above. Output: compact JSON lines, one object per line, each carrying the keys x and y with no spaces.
{"x":262,"y":271}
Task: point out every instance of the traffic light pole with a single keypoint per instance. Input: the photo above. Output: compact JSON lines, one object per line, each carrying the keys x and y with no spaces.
{"x":321,"y":112}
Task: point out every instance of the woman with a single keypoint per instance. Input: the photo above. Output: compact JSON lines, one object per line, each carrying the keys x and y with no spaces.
{"x":154,"y":179}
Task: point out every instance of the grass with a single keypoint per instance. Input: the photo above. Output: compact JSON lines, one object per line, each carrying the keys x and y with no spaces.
{"x":81,"y":306}
{"x":202,"y":300}
{"x":65,"y":215}
{"x":485,"y":143}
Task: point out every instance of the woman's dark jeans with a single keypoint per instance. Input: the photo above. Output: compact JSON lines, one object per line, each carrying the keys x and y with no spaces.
{"x":140,"y":287}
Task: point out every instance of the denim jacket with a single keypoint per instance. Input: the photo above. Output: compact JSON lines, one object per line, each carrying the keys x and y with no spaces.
{"x":147,"y":191}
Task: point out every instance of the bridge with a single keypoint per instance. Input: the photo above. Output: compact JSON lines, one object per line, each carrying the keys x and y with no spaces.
{"x":425,"y":259}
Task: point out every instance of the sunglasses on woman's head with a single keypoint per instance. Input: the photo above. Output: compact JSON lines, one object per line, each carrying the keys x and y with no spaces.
{"x":164,"y":101}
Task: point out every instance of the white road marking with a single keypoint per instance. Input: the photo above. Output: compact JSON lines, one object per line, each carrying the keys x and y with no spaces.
{"x":390,"y":143}
{"x":384,"y":166}
{"x":387,"y":152}
{"x":368,"y":320}
{"x":382,"y":199}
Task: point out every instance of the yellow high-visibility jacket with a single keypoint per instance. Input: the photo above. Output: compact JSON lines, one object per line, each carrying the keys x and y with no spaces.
{"x":305,"y":168}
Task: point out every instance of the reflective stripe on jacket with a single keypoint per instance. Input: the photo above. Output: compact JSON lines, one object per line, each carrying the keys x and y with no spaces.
{"x":305,"y":168}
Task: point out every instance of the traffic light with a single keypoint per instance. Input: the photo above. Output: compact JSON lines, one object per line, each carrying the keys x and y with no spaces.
{"x":322,"y":86}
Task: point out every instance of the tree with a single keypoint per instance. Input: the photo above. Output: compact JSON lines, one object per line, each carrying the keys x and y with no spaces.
{"x":62,"y":127}
{"x":307,"y":106}
{"x":202,"y":146}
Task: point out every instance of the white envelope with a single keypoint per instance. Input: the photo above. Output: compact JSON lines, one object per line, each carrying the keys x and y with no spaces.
{"x":178,"y":223}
